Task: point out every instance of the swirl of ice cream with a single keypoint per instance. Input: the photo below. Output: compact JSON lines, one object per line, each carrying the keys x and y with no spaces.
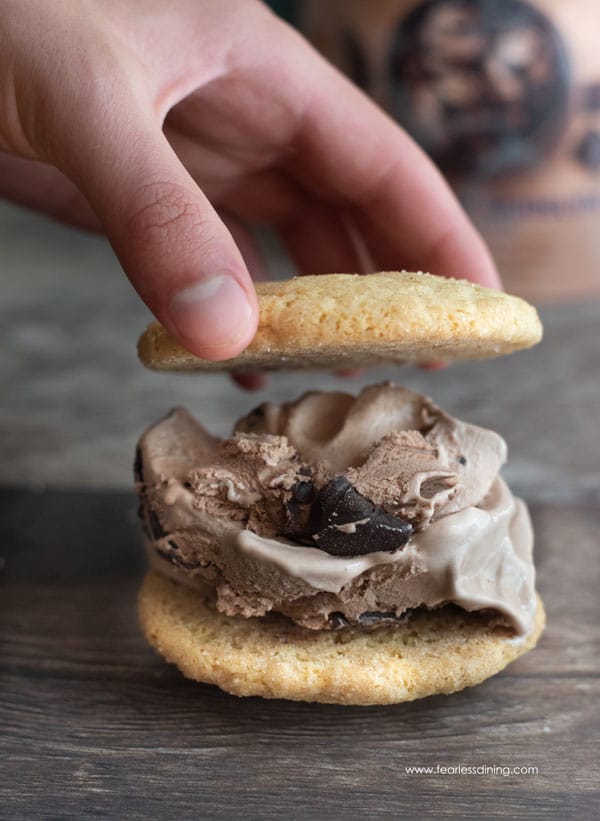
{"x":433,"y":521}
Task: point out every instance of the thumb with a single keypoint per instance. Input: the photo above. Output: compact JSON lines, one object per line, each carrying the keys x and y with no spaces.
{"x":174,"y":248}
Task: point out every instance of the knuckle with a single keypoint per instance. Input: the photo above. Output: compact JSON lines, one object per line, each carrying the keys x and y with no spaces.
{"x":166,"y":219}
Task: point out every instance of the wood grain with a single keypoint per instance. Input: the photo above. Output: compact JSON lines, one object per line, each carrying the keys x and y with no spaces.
{"x":94,"y":724}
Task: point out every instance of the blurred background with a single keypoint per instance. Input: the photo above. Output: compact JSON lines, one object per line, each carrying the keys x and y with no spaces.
{"x":508,"y":104}
{"x":505,"y":98}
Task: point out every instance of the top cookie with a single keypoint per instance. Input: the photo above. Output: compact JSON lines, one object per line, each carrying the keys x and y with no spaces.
{"x":347,"y":320}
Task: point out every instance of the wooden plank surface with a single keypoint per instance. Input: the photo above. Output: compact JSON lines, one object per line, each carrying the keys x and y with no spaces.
{"x":94,"y":724}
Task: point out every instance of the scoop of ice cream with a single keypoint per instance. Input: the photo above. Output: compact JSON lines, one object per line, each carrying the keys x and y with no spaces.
{"x":249,"y":479}
{"x":335,"y":509}
{"x":395,"y":446}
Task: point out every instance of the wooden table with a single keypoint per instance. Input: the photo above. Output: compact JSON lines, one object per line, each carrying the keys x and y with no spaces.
{"x":93,"y":724}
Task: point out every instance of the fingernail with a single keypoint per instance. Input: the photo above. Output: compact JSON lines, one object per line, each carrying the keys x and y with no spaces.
{"x":212,"y":314}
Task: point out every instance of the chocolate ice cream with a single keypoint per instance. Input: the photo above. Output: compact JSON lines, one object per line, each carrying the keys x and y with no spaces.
{"x":338,"y":510}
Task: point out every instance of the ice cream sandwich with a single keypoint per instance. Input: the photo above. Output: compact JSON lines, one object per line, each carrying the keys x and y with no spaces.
{"x":339,"y":548}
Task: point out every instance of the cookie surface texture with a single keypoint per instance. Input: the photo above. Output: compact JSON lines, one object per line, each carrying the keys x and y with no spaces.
{"x":433,"y":652}
{"x":343,"y":320}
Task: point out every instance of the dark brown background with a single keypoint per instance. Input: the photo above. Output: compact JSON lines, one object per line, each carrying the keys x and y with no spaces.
{"x":93,"y":724}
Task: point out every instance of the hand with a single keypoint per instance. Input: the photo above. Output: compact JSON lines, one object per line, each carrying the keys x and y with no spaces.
{"x":151,"y":119}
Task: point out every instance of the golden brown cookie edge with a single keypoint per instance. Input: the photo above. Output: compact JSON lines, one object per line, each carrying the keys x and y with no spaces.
{"x":386,"y":317}
{"x":439,"y":652}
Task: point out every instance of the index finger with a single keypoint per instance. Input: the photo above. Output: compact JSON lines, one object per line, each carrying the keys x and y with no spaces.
{"x":352,"y":152}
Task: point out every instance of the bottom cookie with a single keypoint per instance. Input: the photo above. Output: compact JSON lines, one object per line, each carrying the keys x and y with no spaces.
{"x":433,"y":652}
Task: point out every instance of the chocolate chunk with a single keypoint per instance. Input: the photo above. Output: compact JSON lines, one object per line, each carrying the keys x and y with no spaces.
{"x":342,"y":522}
{"x":298,"y":507}
{"x":462,"y":460}
{"x":337,"y":621}
{"x":303,"y":492}
{"x":373,"y":618}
